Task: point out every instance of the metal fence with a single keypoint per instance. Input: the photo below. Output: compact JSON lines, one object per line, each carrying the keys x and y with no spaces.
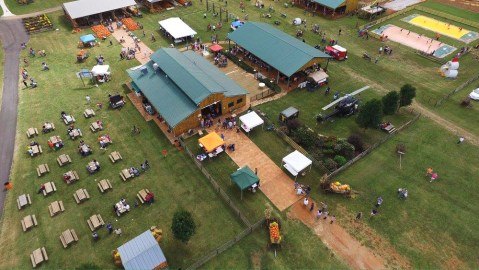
{"x":217,"y":251}
{"x":215,"y":184}
{"x":264,"y":94}
{"x":371,"y":148}
{"x":459,"y":88}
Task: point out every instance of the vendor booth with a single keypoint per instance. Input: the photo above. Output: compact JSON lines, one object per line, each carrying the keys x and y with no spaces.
{"x":288,"y":114}
{"x":296,"y":163}
{"x":250,"y":121}
{"x":176,"y":29}
{"x":337,"y":52}
{"x":236,"y":24}
{"x":245,"y":178}
{"x":215,"y":48}
{"x":317,"y":79}
{"x":101,"y":73}
{"x":87,"y":41}
{"x":212,"y":144}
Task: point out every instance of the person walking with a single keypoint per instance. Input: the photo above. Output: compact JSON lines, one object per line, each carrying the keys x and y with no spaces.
{"x":326,"y":213}
{"x":25,"y":83}
{"x":359,"y":215}
{"x":376,"y":60}
{"x":88,"y":99}
{"x":111,"y":43}
{"x":374,"y":212}
{"x":306,"y":201}
{"x":333,"y":218}
{"x":312,"y":207}
{"x":318,"y":214}
{"x":109,"y":227}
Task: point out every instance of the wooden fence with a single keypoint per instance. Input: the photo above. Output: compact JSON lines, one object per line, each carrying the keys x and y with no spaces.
{"x":459,"y":88}
{"x":264,"y":94}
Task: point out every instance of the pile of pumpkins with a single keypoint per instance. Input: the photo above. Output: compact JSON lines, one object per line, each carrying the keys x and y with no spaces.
{"x":337,"y":186}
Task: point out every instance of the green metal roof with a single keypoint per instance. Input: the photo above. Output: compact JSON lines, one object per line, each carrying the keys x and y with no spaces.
{"x":193,"y":74}
{"x":278,"y":49}
{"x":167,"y":98}
{"x":334,"y":4}
{"x":244,"y":177}
{"x":231,"y":88}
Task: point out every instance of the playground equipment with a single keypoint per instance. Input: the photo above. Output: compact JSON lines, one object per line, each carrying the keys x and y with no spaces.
{"x":450,"y":69}
{"x":346,"y":105}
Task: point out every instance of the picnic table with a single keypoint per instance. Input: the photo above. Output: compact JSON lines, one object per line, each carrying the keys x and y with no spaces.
{"x":68,"y":119}
{"x":115,"y":156}
{"x":95,"y":126}
{"x":142,"y":195}
{"x":70,"y":177}
{"x":104,"y":185}
{"x":125,"y":174}
{"x":23,"y":200}
{"x":56,"y":207}
{"x":47,"y":127}
{"x":67,"y":237}
{"x":81,"y":195}
{"x":28,"y":222}
{"x":32,"y":132}
{"x":42,"y":169}
{"x":55,"y":139}
{"x":121,"y":208}
{"x":75,"y":133}
{"x":89,"y":113}
{"x":36,"y":149}
{"x":38,"y":256}
{"x":95,"y":222}
{"x":63,"y":159}
{"x":49,"y":188}
{"x":92,"y":167}
{"x":105,"y":140}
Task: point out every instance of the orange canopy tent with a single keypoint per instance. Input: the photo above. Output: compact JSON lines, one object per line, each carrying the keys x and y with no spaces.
{"x":216,"y":48}
{"x":210,"y":142}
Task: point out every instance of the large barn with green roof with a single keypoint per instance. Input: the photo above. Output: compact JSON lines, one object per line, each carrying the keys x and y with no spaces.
{"x":184,"y":87}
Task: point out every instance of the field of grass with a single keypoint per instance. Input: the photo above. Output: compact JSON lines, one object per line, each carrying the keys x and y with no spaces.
{"x":36,"y":5}
{"x":459,"y":12}
{"x":175,"y":180}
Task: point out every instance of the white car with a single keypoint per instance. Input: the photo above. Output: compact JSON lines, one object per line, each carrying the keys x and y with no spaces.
{"x":474,"y":94}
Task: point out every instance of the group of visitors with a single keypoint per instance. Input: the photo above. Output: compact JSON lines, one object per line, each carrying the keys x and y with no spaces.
{"x":30,"y":147}
{"x":84,"y":149}
{"x":221,"y":60}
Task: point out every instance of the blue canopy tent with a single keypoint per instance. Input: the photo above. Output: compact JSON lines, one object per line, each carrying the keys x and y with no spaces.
{"x":245,"y":178}
{"x":236,"y":24}
{"x":87,"y":38}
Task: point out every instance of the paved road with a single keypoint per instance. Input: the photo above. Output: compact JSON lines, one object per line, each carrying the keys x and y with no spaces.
{"x":12,"y":34}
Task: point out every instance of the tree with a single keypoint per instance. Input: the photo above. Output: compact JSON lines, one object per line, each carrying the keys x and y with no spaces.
{"x":406,"y":95}
{"x":370,"y":115}
{"x":183,"y":226}
{"x":390,"y":103}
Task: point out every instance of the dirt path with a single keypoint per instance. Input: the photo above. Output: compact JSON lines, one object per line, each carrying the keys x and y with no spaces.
{"x":448,"y":125}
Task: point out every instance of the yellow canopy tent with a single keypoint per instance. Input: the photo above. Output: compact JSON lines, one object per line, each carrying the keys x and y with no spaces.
{"x":210,"y":142}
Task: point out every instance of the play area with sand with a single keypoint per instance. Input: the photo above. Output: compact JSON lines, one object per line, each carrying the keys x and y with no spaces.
{"x":414,"y":40}
{"x":442,"y":28}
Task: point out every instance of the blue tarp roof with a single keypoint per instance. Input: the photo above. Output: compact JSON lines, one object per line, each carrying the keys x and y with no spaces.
{"x":87,"y":38}
{"x":141,"y":252}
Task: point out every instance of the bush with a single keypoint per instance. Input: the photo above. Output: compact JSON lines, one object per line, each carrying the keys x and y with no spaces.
{"x":390,"y":103}
{"x":293,"y":124}
{"x":304,"y":137}
{"x":345,"y":149}
{"x":340,"y":160}
{"x":183,"y":226}
{"x":330,"y":164}
{"x":357,"y":142}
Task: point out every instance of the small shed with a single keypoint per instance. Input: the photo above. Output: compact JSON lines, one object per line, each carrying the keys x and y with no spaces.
{"x":142,"y":252}
{"x":250,"y":121}
{"x":244,"y":178}
{"x":289,"y":113}
{"x":296,"y":162}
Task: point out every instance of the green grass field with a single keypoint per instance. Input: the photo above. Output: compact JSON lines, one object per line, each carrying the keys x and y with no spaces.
{"x":36,"y":5}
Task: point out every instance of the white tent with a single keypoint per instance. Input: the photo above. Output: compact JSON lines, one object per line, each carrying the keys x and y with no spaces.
{"x":177,"y":28}
{"x":250,"y":121}
{"x":296,"y":162}
{"x":100,"y":70}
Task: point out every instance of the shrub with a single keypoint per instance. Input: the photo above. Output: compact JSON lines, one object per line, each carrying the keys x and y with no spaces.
{"x":345,"y":149}
{"x":330,"y":164}
{"x":390,"y":103}
{"x":293,"y":124}
{"x":406,"y":95}
{"x":357,"y":142}
{"x":340,"y":160}
{"x":304,"y":137}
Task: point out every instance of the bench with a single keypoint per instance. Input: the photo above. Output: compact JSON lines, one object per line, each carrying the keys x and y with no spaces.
{"x":115,"y":156}
{"x":90,"y":225}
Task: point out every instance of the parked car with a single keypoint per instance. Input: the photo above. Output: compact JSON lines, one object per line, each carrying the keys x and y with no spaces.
{"x":116,"y":101}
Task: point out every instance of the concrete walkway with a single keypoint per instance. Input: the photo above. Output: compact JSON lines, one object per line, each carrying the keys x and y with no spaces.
{"x":12,"y":33}
{"x":275,"y":183}
{"x":6,"y":11}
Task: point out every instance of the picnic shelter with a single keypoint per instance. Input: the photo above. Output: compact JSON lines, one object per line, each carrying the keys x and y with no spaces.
{"x":91,"y":12}
{"x":277,"y":50}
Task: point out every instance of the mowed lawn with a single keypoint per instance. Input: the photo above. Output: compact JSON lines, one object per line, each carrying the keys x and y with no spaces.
{"x":435,"y":227}
{"x":36,"y":5}
{"x":175,"y":180}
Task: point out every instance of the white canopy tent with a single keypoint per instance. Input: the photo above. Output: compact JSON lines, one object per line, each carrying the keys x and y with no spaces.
{"x":296,"y":162}
{"x":177,"y":28}
{"x":250,"y":121}
{"x":100,"y":70}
